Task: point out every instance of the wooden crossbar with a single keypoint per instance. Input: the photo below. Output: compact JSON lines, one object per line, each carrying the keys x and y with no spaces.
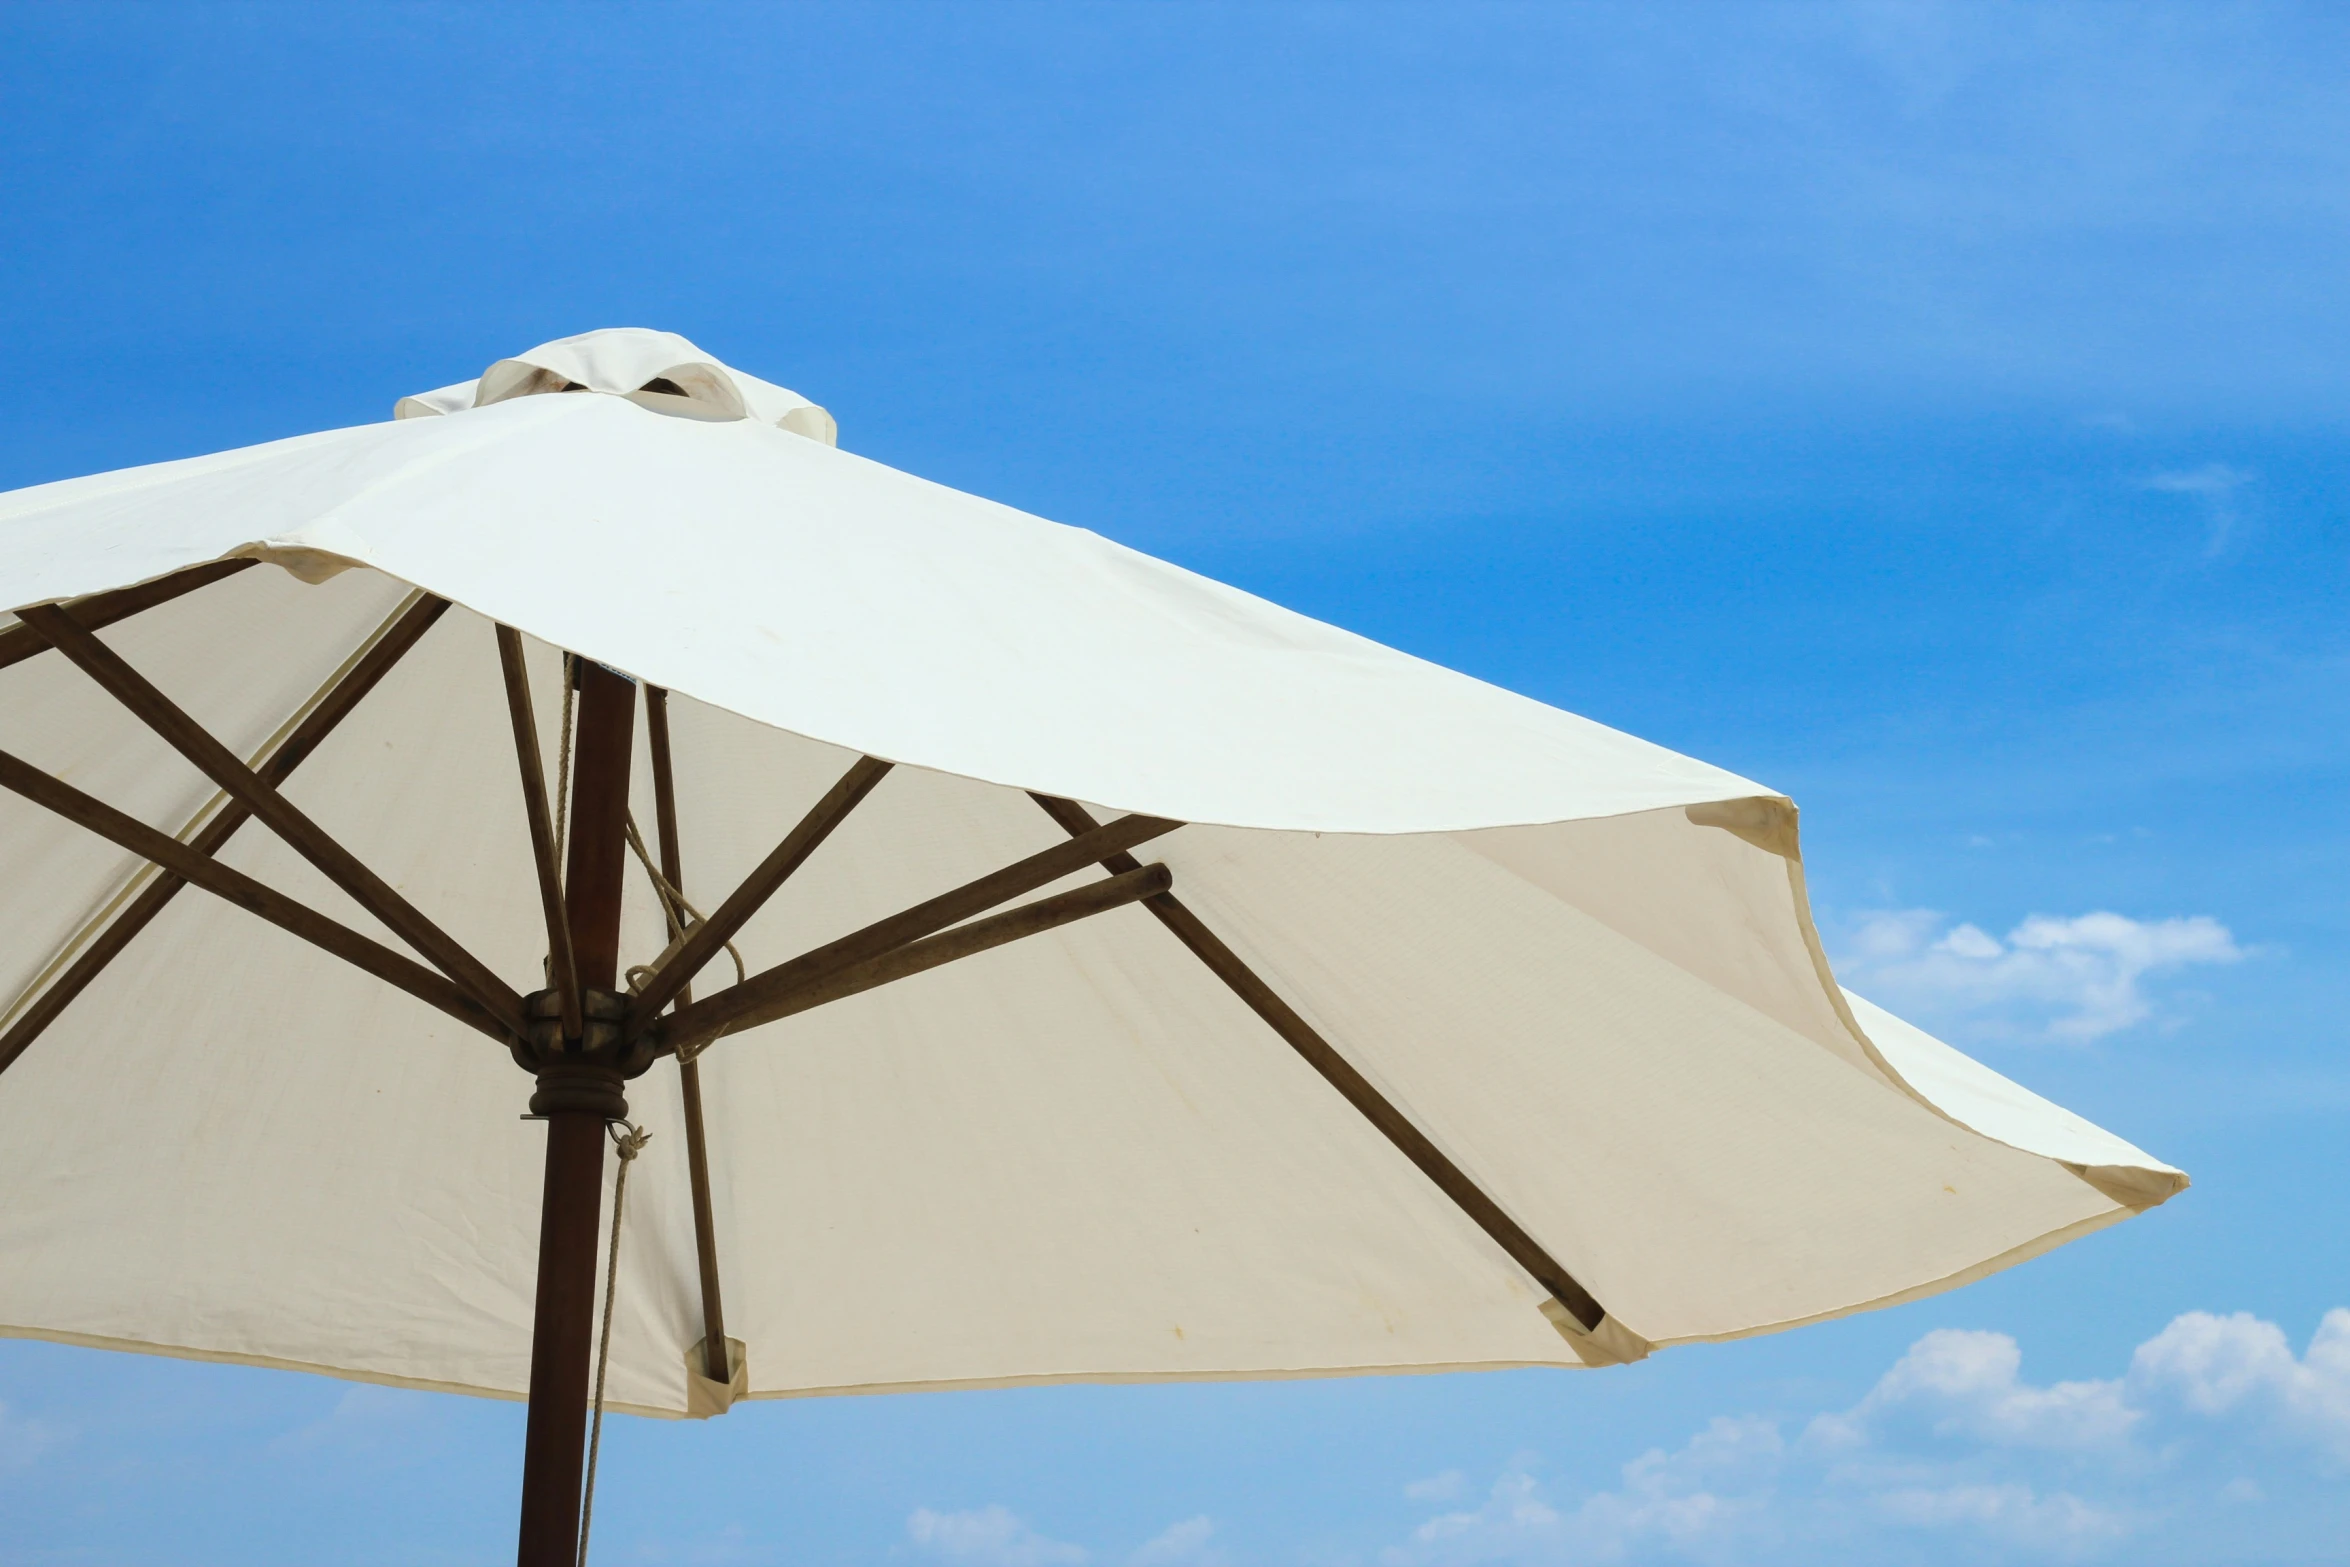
{"x":287,"y":914}
{"x":327,"y":713}
{"x":370,"y":891}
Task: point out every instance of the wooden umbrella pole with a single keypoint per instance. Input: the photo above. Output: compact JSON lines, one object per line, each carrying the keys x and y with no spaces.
{"x":576,"y":1103}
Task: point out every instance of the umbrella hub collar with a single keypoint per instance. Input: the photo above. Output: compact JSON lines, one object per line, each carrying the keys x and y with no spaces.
{"x":584,"y":1073}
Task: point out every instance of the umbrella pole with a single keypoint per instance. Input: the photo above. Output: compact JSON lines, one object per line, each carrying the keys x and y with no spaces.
{"x":576,"y":1103}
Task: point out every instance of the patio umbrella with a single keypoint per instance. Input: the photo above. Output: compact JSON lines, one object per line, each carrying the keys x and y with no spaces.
{"x":1033,"y":962}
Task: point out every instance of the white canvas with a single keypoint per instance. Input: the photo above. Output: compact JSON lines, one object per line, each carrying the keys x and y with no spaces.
{"x":1580,"y":963}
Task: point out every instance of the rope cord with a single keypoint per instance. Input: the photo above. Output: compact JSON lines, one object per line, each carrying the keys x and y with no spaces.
{"x":630,"y":1140}
{"x":563,"y":758}
{"x":682,"y":916}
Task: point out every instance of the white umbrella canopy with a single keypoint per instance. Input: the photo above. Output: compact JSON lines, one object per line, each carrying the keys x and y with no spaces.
{"x":1442,"y":993}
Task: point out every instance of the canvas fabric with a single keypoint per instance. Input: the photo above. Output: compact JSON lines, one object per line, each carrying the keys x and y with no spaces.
{"x":1580,"y":963}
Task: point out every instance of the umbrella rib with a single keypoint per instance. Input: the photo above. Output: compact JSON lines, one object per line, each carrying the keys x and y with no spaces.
{"x":767,"y":996}
{"x":307,"y":838}
{"x":935,"y":914}
{"x":561,"y":960}
{"x":678,"y":967}
{"x":182,"y":860}
{"x":1356,"y":1089}
{"x":716,"y":1363}
{"x":20,"y":642}
{"x":389,"y":647}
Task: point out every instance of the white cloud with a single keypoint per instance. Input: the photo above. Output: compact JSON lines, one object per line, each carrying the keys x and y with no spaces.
{"x":1513,"y":1524}
{"x":1952,"y":1451}
{"x":2079,"y":977}
{"x":2239,"y":1365}
{"x":2214,"y":485}
{"x":991,"y":1536}
{"x":1693,"y":1498}
{"x":1953,"y":1454}
{"x":1954,"y":1382}
{"x":1697,"y":1499}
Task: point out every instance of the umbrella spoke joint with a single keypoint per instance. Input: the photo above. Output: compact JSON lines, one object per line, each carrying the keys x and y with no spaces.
{"x":583,"y":1072}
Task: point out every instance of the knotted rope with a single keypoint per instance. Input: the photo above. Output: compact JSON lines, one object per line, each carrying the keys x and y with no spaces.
{"x":682,"y":916}
{"x":630,"y":1140}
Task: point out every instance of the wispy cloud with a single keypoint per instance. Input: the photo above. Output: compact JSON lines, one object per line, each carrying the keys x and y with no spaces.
{"x":991,"y":1536}
{"x":2076,"y":977}
{"x":2060,"y":1525}
{"x":1190,"y":1543}
{"x":995,"y":1536}
{"x":2214,"y":486}
{"x":22,"y":1439}
{"x":379,"y":1422}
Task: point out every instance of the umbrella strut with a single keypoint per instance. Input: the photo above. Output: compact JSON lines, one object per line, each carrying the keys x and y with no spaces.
{"x":715,"y":1361}
{"x":1336,"y":1070}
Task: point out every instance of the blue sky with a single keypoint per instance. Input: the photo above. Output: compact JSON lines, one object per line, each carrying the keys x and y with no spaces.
{"x":1936,"y":412}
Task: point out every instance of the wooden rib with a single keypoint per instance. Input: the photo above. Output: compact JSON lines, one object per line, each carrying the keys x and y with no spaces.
{"x":715,"y":1363}
{"x":311,"y":841}
{"x":948,"y":908}
{"x":706,"y":939}
{"x":362,"y":677}
{"x":665,"y":809}
{"x":20,"y":642}
{"x":765,"y":997}
{"x":1340,"y":1074}
{"x":183,"y":861}
{"x":564,"y":968}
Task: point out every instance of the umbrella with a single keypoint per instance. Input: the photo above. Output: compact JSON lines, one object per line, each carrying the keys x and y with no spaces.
{"x":1031,"y":961}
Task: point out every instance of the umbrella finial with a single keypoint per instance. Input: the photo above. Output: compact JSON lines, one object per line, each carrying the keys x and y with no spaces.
{"x":656,"y":370}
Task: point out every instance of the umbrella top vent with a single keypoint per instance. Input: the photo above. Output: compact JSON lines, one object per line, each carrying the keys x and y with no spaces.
{"x":656,"y":370}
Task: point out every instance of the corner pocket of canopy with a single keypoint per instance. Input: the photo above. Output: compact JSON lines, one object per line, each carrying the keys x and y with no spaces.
{"x":1943,"y":1079}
